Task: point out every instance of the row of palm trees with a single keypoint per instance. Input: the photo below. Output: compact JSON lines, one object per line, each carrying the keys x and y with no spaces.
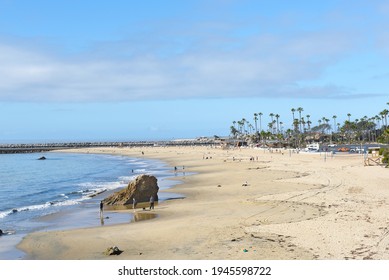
{"x":303,"y":130}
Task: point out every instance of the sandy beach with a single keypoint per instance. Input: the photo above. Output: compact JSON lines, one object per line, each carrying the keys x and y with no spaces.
{"x":244,"y":204}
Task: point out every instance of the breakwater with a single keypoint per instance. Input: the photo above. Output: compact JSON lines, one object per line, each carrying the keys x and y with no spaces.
{"x":45,"y":147}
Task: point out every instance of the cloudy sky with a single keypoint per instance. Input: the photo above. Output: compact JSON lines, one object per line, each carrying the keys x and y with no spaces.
{"x":130,"y":70}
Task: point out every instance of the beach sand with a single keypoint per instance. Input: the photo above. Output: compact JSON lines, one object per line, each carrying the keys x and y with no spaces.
{"x":294,"y":206}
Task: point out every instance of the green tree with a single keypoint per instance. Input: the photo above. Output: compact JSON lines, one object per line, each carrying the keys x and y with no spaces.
{"x":384,"y":137}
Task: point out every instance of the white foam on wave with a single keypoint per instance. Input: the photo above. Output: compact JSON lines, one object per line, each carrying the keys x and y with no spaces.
{"x":97,"y":186}
{"x":23,"y":209}
{"x":43,"y":206}
{"x":91,"y":189}
{"x":4,"y":214}
{"x":126,"y":179}
{"x":140,"y":170}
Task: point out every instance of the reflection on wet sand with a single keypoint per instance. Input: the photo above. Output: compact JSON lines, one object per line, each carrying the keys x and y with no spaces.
{"x":142,"y":216}
{"x":140,"y":213}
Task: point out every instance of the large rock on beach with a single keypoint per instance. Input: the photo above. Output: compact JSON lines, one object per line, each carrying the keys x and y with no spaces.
{"x":142,"y":188}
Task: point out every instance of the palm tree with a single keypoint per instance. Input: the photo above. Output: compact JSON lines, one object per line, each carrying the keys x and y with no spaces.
{"x":271,"y":116}
{"x":309,"y":122}
{"x":234,"y":131}
{"x":278,"y":124}
{"x":296,"y":125}
{"x":240,"y":124}
{"x":348,"y":124}
{"x":299,"y":109}
{"x":270,"y":125}
{"x":296,"y":131}
{"x":274,"y":123}
{"x":327,"y":122}
{"x":309,"y":125}
{"x":302,"y":121}
{"x":378,"y":121}
{"x":338,"y":127}
{"x":334,"y":117}
{"x":255,"y":120}
{"x":384,"y":114}
{"x":324,"y":121}
{"x":272,"y":119}
{"x":260,"y":121}
{"x":293,"y":110}
{"x":244,"y":125}
{"x":250,"y":127}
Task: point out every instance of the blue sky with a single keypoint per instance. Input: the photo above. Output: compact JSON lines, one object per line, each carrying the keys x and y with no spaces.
{"x":130,"y":70}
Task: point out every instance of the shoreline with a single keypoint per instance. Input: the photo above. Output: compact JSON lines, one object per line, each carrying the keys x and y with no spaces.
{"x":292,"y":207}
{"x":86,"y":214}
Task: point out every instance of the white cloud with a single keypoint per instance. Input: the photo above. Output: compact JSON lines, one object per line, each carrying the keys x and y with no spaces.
{"x":204,"y":66}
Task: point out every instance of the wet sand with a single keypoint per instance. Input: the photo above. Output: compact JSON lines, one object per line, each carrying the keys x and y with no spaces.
{"x":277,"y":206}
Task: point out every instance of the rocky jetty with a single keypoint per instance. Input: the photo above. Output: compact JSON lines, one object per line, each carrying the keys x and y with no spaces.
{"x":142,"y":188}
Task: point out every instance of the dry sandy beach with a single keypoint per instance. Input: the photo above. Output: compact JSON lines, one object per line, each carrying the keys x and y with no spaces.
{"x":295,"y":206}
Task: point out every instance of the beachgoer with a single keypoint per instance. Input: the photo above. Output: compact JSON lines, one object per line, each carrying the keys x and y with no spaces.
{"x":134,"y":203}
{"x":101,"y":207}
{"x":151,"y":202}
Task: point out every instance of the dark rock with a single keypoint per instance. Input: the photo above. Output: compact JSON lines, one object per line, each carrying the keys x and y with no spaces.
{"x":1,"y":232}
{"x":42,"y":158}
{"x":113,"y":251}
{"x":142,"y":188}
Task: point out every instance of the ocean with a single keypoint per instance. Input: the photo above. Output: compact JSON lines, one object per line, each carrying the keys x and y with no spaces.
{"x":63,"y":191}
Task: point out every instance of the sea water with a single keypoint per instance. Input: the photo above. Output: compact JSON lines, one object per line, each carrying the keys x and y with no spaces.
{"x":32,"y":190}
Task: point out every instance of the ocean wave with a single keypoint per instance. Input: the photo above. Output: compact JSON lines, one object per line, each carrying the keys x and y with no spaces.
{"x":126,"y":179}
{"x":140,"y":170}
{"x":23,"y":209}
{"x":97,"y":186}
{"x":43,"y":206}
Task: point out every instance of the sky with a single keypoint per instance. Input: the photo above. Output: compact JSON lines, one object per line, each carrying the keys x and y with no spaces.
{"x":127,"y":70}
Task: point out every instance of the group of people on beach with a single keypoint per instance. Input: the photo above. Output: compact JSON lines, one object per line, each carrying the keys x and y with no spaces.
{"x":134,"y":203}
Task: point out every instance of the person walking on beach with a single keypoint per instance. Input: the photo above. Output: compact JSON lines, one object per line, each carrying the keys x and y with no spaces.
{"x":101,"y":208}
{"x":151,"y":202}
{"x":133,"y":203}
